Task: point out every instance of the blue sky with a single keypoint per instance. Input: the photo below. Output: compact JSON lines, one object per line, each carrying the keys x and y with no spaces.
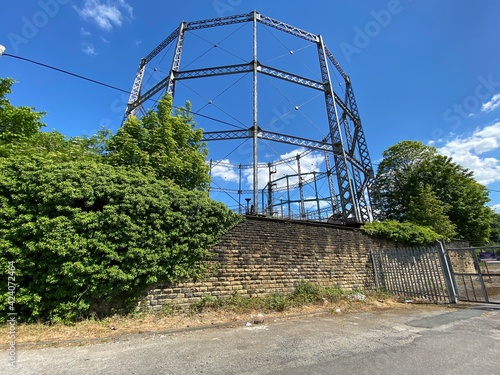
{"x":421,"y":70}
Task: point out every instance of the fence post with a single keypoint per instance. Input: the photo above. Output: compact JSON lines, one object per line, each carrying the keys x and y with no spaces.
{"x":447,"y":273}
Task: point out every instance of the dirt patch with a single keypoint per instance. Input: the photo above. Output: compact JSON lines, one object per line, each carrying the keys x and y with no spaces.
{"x":31,"y":336}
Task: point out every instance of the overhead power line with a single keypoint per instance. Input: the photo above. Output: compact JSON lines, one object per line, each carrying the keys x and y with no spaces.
{"x":2,"y":49}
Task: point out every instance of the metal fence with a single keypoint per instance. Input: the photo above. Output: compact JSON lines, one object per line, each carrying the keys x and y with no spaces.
{"x":414,"y":272}
{"x":476,"y":273}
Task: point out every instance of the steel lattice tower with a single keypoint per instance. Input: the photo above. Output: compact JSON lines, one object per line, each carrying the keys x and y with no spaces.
{"x":348,"y":165}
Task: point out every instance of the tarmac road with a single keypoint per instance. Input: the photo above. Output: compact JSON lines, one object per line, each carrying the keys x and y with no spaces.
{"x":423,"y":340}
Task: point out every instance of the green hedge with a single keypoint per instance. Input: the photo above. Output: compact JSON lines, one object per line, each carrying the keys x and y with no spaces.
{"x":87,"y":237}
{"x":407,"y":233}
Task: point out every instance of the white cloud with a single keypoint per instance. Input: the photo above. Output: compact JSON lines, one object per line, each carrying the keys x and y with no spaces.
{"x":496,"y":208}
{"x":467,"y":153}
{"x":84,"y":32}
{"x":314,"y":205}
{"x":492,"y":104}
{"x":104,"y":40}
{"x":308,"y":163}
{"x":225,"y":172}
{"x":106,"y":16}
{"x":88,"y":49}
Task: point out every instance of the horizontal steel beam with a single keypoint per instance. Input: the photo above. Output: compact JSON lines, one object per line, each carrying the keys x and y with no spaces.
{"x":287,"y":28}
{"x":216,"y":71}
{"x":281,"y":74}
{"x":221,"y":21}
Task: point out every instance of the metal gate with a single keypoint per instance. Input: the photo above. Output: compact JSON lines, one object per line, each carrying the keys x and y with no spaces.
{"x":416,"y":272}
{"x":476,"y":273}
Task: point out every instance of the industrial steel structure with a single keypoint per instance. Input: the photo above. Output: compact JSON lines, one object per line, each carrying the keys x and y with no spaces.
{"x":347,"y":168}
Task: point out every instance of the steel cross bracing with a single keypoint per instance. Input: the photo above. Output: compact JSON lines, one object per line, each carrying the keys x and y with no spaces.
{"x":345,"y":141}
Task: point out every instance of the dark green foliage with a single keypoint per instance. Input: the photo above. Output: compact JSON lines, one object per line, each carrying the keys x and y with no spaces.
{"x":416,"y":184}
{"x":495,"y":229}
{"x":306,"y":292}
{"x":425,"y":209}
{"x":408,"y":233}
{"x":88,"y":237}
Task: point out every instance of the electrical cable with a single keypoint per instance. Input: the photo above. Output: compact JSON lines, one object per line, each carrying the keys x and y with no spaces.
{"x":108,"y":86}
{"x":66,"y":72}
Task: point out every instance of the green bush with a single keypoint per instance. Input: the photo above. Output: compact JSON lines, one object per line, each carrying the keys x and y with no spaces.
{"x":333,"y":294}
{"x":306,"y":292}
{"x":407,"y":233}
{"x":87,"y":237}
{"x":277,"y":302}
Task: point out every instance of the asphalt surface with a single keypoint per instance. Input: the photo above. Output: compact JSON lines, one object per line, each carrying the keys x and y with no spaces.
{"x":465,"y":340}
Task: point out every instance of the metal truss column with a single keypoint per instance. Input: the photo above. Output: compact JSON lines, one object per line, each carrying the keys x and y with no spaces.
{"x":176,"y":62}
{"x":346,"y":189}
{"x":301,"y":189}
{"x":135,"y":92}
{"x":355,"y":171}
{"x":255,"y":116}
{"x":360,"y":142}
{"x":329,"y":172}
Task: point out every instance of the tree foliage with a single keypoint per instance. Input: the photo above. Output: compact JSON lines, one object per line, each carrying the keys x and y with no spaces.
{"x":164,"y":144}
{"x":16,"y":123}
{"x":88,"y":236}
{"x":495,"y":229}
{"x":427,"y":210}
{"x":416,"y":184}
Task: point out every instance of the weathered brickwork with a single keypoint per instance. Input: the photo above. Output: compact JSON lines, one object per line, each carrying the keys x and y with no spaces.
{"x":261,"y":255}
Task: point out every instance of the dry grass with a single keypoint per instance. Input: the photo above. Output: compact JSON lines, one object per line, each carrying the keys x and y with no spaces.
{"x":112,"y":328}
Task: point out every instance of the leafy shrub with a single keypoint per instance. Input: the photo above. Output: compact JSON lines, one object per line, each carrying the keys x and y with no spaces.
{"x":277,"y":302}
{"x":333,"y":294}
{"x":306,"y":292}
{"x":407,"y":233}
{"x":87,"y":237}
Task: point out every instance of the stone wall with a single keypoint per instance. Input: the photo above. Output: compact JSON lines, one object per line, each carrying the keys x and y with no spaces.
{"x":263,"y":255}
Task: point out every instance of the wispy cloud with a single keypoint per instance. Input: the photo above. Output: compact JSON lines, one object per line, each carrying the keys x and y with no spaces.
{"x":309,"y":162}
{"x":104,"y":40}
{"x":469,"y":153}
{"x":225,"y":172}
{"x":84,"y":32}
{"x":88,"y":49}
{"x":106,"y":16}
{"x":496,"y":208}
{"x":492,"y":104}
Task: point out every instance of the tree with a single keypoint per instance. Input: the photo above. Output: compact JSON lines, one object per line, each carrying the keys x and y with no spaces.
{"x":495,"y":229}
{"x":412,"y":172}
{"x":427,"y":210}
{"x":16,"y":123}
{"x":164,"y":144}
{"x":88,"y":236}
